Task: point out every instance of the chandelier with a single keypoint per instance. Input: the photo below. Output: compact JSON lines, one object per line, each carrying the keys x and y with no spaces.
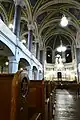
{"x":61,"y":48}
{"x":64,"y":21}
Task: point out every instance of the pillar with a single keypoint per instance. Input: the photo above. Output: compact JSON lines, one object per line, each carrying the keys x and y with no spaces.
{"x":13,"y":65}
{"x":44,"y":62}
{"x":29,"y":68}
{"x":78,"y":62}
{"x":30,"y":36}
{"x":78,"y":55}
{"x":41,"y":56}
{"x":53,"y":56}
{"x":72,"y":52}
{"x":44,"y":56}
{"x":35,"y":72}
{"x":40,"y":75}
{"x":37,"y":50}
{"x":29,"y":40}
{"x":17,"y":16}
{"x":33,"y":49}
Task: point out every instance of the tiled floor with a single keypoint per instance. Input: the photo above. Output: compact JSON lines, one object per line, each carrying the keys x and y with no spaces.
{"x":67,"y":105}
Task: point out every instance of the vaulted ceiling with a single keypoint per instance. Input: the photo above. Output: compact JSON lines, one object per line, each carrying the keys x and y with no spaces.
{"x":45,"y":15}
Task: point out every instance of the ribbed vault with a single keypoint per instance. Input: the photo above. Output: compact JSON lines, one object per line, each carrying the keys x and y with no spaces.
{"x":45,"y":15}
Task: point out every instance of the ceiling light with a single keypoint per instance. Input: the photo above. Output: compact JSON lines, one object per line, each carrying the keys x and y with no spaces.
{"x":48,"y":55}
{"x":61,"y":48}
{"x":64,"y":21}
{"x":21,"y":68}
{"x":23,"y":41}
{"x":11,"y":26}
{"x":6,"y":63}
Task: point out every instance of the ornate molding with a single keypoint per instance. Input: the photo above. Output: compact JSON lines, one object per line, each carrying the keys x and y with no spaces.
{"x":19,"y":2}
{"x":30,"y":27}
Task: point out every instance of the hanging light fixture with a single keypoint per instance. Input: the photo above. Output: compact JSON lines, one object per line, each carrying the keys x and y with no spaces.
{"x":61,"y":48}
{"x":23,"y":41}
{"x":11,"y":26}
{"x":64,"y":21}
{"x":6,"y":63}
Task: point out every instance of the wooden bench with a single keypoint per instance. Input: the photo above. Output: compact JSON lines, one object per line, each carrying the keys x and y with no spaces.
{"x":49,"y":99}
{"x":35,"y":98}
{"x":13,"y":106}
{"x":19,"y":102}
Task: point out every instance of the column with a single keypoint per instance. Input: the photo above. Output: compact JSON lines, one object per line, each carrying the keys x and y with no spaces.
{"x":44,"y":56}
{"x":72,"y":52}
{"x":37,"y":50}
{"x":37,"y":75}
{"x":78,"y":55}
{"x":44,"y":62}
{"x":29,"y":40}
{"x":41,"y":56}
{"x":13,"y":65}
{"x":33,"y":49}
{"x":17,"y":16}
{"x":53,"y":56}
{"x":78,"y":62}
{"x":29,"y":68}
{"x":40,"y":75}
{"x":30,"y":36}
{"x":41,"y":51}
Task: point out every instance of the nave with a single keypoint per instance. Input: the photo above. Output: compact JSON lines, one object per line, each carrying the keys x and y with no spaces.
{"x":24,"y":99}
{"x":67,"y":105}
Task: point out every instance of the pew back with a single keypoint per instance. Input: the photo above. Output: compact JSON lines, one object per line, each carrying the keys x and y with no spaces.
{"x":13,"y":104}
{"x":36,"y":97}
{"x":5,"y":95}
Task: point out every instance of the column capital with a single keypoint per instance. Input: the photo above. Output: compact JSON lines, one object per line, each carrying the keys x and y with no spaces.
{"x":19,"y":2}
{"x":13,"y":58}
{"x":36,"y":40}
{"x":41,"y":46}
{"x":30,"y":27}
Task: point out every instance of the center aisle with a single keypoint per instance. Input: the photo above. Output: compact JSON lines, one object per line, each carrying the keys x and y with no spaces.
{"x":67,"y":105}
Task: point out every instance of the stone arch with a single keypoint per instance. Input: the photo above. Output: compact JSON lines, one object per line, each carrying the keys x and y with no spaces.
{"x":5,"y":52}
{"x":10,"y":46}
{"x":23,"y":63}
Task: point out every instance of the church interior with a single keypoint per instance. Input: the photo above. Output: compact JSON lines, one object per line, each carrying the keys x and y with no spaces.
{"x":39,"y":59}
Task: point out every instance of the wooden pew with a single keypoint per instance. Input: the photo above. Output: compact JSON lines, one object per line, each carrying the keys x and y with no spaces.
{"x":49,"y":99}
{"x":35,"y":98}
{"x":13,"y":106}
{"x":40,"y":99}
{"x":20,"y":102}
{"x":5,"y":95}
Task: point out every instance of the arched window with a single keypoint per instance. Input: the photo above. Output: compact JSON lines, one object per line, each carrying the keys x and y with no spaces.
{"x":49,"y":55}
{"x":68,"y":55}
